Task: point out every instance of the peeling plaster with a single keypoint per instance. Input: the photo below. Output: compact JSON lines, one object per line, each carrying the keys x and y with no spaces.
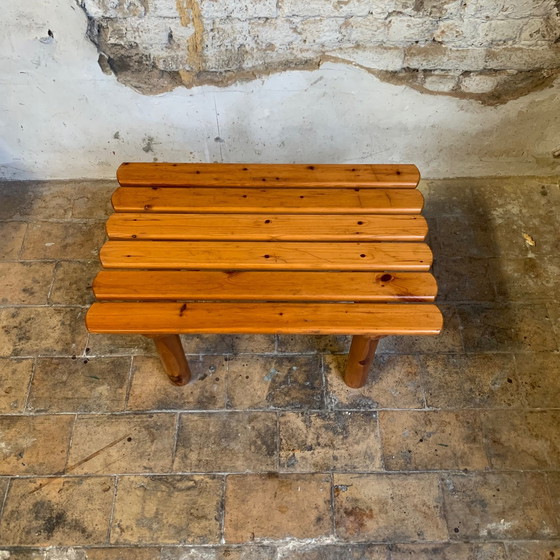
{"x":509,"y":86}
{"x":475,"y":49}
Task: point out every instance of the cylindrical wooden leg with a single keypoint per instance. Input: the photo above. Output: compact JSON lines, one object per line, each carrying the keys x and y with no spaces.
{"x":173,"y":358}
{"x":360,"y":358}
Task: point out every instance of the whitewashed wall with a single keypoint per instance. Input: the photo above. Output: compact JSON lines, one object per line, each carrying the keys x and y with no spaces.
{"x":62,"y":117}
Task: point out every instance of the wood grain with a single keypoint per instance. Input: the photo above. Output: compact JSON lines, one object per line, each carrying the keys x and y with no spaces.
{"x":373,"y":319}
{"x":257,"y":175}
{"x":266,"y":255}
{"x":264,"y":285}
{"x":268,"y":201}
{"x":269,"y":227}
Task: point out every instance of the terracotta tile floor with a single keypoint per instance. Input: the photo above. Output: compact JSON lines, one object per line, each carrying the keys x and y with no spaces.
{"x":451,"y":451}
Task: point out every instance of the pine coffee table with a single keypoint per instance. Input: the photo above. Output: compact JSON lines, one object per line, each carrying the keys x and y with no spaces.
{"x":266,"y":249}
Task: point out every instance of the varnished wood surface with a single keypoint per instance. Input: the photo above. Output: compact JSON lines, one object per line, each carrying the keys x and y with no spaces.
{"x":272,"y":227}
{"x":251,"y":227}
{"x":270,"y":255}
{"x":173,"y":359}
{"x":360,"y":359}
{"x":374,"y":319}
{"x":265,"y":249}
{"x":256,"y":175}
{"x":264,"y":285}
{"x":268,"y":201}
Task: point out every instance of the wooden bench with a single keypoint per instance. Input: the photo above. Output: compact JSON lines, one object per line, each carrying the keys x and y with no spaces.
{"x":268,"y":249}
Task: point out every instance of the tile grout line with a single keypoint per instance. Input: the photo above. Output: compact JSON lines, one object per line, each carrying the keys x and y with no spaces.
{"x":223,"y":505}
{"x":147,"y":412}
{"x":277,"y":441}
{"x":226,"y":400}
{"x":333,"y":505}
{"x":471,"y":474}
{"x":273,"y":543}
{"x":423,"y":388}
{"x":23,"y":240}
{"x":517,"y":377}
{"x":53,"y":280}
{"x":555,"y":331}
{"x":116,"y":479}
{"x":70,"y":443}
{"x":505,"y":544}
{"x":381,"y":444}
{"x":444,"y":508}
{"x":550,"y":499}
{"x":324,"y":383}
{"x":4,"y":500}
{"x":175,"y":441}
{"x":487,"y":448}
{"x":129,"y":380}
{"x":453,"y":472}
{"x":467,"y":353}
{"x":29,"y":387}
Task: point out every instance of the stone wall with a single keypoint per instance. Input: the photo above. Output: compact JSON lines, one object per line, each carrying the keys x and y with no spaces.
{"x":488,"y":50}
{"x":271,"y":82}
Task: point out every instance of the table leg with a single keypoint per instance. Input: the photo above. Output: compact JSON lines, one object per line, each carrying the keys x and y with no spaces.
{"x":173,"y":358}
{"x":360,"y":358}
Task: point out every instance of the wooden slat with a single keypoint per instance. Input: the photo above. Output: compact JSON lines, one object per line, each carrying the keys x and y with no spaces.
{"x":268,"y":286}
{"x":266,"y":255}
{"x":256,"y":175}
{"x":375,"y":319}
{"x":266,"y":201}
{"x":258,"y":227}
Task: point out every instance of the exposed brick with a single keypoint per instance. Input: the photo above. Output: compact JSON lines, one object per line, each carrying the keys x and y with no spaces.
{"x":440,"y":82}
{"x":478,"y":83}
{"x":434,"y":57}
{"x":367,"y":31}
{"x":496,"y":32}
{"x":155,"y":45}
{"x":382,"y":58}
{"x":242,"y":9}
{"x":324,"y":8}
{"x":405,"y":29}
{"x":520,"y":58}
{"x":115,"y":9}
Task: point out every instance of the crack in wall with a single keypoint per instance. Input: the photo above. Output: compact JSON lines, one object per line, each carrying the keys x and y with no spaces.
{"x":469,"y":49}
